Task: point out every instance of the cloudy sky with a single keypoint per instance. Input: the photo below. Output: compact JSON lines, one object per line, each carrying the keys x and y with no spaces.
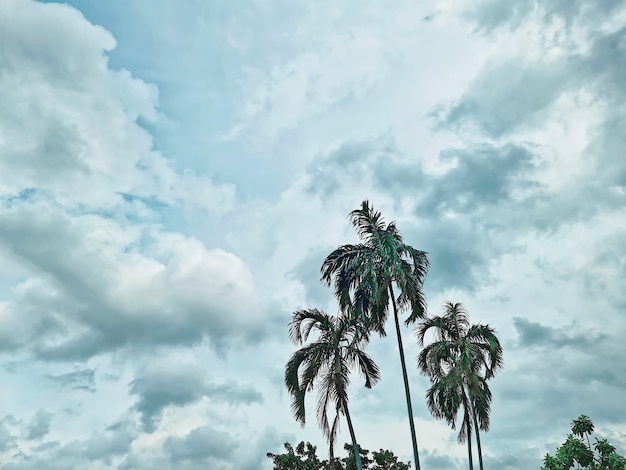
{"x":172,"y":175}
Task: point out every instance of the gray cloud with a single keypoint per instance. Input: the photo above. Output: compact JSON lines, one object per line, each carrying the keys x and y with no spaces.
{"x":179,"y":385}
{"x":307,"y":271}
{"x":511,"y":95}
{"x":7,"y":439}
{"x":74,"y":312}
{"x":103,"y":446}
{"x":200,"y":445}
{"x":532,"y":334}
{"x":483,"y":176}
{"x":94,"y":286}
{"x":39,"y":425}
{"x":435,"y":460}
{"x":553,"y":376}
{"x":465,"y":215}
{"x":505,"y":96}
{"x":79,"y":380}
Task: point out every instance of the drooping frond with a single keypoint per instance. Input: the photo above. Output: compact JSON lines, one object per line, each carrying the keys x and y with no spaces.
{"x":334,"y":429}
{"x":436,"y":359}
{"x":303,"y":321}
{"x":438,"y":324}
{"x":368,"y":368}
{"x":342,"y":257}
{"x":444,"y":398}
{"x":481,"y":396}
{"x":311,"y":357}
{"x":485,"y":336}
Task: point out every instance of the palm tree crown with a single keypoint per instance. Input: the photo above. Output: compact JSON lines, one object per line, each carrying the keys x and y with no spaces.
{"x":459,"y":362}
{"x":327,"y":362}
{"x":364,"y":273}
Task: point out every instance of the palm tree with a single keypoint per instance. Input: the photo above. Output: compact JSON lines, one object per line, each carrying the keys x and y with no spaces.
{"x":459,"y":362}
{"x":364,"y":278}
{"x":327,"y":362}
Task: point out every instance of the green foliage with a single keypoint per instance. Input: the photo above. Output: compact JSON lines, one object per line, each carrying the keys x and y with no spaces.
{"x":459,"y":362}
{"x":576,"y":450}
{"x":304,"y":457}
{"x":364,"y":276}
{"x":326,"y":363}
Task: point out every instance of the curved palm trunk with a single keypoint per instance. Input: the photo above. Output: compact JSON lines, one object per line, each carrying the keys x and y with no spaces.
{"x":476,"y":430}
{"x":480,"y":451}
{"x":355,"y":446}
{"x":467,"y":423}
{"x":406,"y":381}
{"x":469,"y":450}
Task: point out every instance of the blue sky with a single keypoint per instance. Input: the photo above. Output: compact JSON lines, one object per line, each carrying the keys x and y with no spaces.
{"x":173,"y":174}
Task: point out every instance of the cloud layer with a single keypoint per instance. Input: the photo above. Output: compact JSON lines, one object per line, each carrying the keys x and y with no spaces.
{"x":171,"y":180}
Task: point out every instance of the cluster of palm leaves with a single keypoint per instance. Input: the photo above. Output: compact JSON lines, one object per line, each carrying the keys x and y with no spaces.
{"x":365,"y":278}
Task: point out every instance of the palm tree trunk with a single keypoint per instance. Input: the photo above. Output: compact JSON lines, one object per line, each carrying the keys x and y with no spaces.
{"x":355,"y":446}
{"x":469,"y":449}
{"x":480,"y":450}
{"x":406,"y":380}
{"x":468,"y":428}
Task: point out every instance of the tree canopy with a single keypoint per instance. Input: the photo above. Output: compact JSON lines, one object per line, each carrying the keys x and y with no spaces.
{"x":577,"y":449}
{"x":304,"y":457}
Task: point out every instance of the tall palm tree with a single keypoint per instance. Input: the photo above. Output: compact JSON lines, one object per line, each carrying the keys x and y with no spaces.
{"x":459,"y":362}
{"x":326,"y":362}
{"x":364,"y":277}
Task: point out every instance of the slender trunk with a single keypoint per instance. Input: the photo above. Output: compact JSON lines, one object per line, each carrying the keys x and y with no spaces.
{"x":469,"y":449}
{"x":355,"y":446}
{"x":476,"y":430}
{"x":468,"y":430}
{"x":406,"y":381}
{"x":480,"y":450}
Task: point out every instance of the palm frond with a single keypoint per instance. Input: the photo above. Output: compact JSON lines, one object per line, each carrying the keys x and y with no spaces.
{"x":303,"y":321}
{"x":368,"y":368}
{"x":342,"y":257}
{"x":367,"y":221}
{"x":439,"y":324}
{"x":309,"y":356}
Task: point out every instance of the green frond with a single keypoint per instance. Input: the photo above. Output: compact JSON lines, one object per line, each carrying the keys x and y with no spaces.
{"x":303,"y":321}
{"x":341,"y":258}
{"x":481,"y":399}
{"x":439,"y":324}
{"x":444,"y":399}
{"x":309,"y":357}
{"x":368,"y":368}
{"x":367,"y":221}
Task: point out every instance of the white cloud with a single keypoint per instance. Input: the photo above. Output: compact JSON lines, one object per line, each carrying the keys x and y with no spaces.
{"x":69,"y":123}
{"x":114,"y":258}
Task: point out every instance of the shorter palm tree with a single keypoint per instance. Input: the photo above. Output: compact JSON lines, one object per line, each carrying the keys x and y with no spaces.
{"x":459,"y":362}
{"x":326,"y":362}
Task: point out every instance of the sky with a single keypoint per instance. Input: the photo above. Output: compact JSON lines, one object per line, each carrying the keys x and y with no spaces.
{"x":172,"y":175}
